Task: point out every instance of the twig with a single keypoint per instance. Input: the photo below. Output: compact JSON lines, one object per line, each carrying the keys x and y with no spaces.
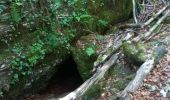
{"x":134,"y":11}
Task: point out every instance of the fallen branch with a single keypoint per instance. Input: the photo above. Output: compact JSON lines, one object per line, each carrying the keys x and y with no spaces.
{"x":155,"y":33}
{"x":110,"y":51}
{"x":142,"y":72}
{"x":155,"y":16}
{"x":157,"y":24}
{"x":149,"y":33}
{"x":134,"y":11}
{"x":147,"y":22}
{"x":122,"y":26}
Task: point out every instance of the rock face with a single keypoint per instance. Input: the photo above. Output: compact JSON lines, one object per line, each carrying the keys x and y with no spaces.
{"x":105,"y":12}
{"x":41,"y":73}
{"x":86,"y":50}
{"x":112,"y":11}
{"x":44,"y":57}
{"x":26,"y":63}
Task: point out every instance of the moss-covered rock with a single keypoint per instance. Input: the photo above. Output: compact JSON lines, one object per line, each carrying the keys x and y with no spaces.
{"x":85,"y":51}
{"x":41,"y":72}
{"x":38,"y":80}
{"x":105,"y":12}
{"x":109,"y":10}
{"x":134,"y":52}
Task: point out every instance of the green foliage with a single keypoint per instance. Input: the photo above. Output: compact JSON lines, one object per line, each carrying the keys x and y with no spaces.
{"x":53,"y":27}
{"x":37,"y":52}
{"x":22,"y":64}
{"x":103,"y":23}
{"x":1,"y":94}
{"x":120,"y":85}
{"x":15,"y":12}
{"x":90,"y":51}
{"x":2,"y":7}
{"x":81,"y":16}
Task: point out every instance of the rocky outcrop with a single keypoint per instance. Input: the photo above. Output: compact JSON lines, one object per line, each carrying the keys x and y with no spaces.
{"x":134,"y":53}
{"x":43,"y":57}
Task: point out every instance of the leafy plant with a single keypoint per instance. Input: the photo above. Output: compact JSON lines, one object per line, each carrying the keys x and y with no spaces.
{"x":22,"y":64}
{"x":37,"y":52}
{"x":103,"y":23}
{"x":1,"y":94}
{"x":51,"y":33}
{"x":15,"y":13}
{"x":90,"y":51}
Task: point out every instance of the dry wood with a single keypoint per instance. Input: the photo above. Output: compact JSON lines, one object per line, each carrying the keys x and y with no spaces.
{"x":134,"y":11}
{"x":151,"y":30}
{"x":122,"y":26}
{"x":155,"y":16}
{"x":157,"y":24}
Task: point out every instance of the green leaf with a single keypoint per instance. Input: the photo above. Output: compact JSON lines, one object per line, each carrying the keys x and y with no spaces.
{"x":16,"y":76}
{"x":103,"y":23}
{"x":90,"y":51}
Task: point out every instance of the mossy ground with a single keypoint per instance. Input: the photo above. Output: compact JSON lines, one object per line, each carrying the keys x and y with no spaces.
{"x":114,"y":81}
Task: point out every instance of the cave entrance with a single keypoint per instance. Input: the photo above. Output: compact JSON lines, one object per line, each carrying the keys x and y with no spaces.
{"x":66,"y":79}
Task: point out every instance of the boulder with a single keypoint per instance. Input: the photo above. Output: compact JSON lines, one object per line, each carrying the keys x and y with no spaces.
{"x":85,"y":51}
{"x":134,"y":53}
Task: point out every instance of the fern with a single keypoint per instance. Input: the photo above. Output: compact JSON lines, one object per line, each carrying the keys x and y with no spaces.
{"x":15,"y":15}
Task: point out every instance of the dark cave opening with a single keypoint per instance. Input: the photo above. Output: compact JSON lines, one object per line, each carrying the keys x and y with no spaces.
{"x":66,"y":79}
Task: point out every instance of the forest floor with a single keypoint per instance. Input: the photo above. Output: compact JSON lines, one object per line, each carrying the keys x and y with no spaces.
{"x":157,"y":84}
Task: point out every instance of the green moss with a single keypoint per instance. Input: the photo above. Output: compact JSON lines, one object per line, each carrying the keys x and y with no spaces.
{"x":84,"y":63}
{"x":167,"y":20}
{"x":93,"y":93}
{"x":134,"y":52}
{"x":106,"y":11}
{"x":119,"y":85}
{"x":110,"y":10}
{"x":129,"y":77}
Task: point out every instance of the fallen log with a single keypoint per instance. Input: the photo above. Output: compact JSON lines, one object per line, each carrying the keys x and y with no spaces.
{"x":142,"y":72}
